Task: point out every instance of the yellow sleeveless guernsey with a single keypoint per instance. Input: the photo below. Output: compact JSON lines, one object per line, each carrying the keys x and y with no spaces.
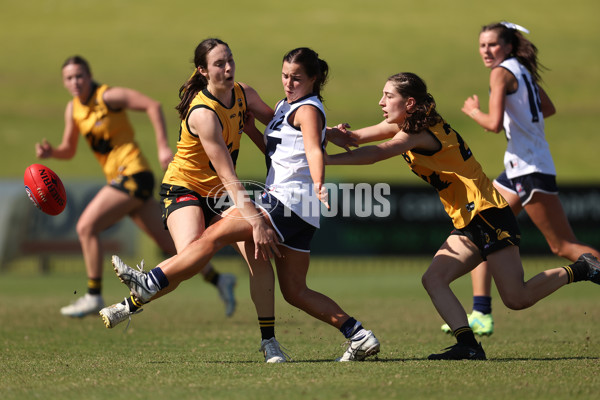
{"x":463,"y":187}
{"x":110,"y":136}
{"x":191,"y":166}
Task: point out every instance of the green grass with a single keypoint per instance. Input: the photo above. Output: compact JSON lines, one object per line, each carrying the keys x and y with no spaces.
{"x":183,"y":346}
{"x":148,"y":45}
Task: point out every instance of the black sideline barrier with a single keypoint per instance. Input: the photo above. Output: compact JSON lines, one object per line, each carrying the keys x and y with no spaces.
{"x":418,"y":225}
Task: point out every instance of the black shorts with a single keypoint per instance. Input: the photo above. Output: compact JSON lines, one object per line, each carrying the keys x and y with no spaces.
{"x":173,"y":197}
{"x":525,"y":186}
{"x":491,"y":230}
{"x":140,"y":185}
{"x":294,"y":232}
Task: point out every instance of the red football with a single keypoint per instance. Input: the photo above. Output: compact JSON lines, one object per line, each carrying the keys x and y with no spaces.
{"x":45,"y":189}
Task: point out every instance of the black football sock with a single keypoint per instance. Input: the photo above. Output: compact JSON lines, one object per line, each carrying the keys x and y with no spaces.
{"x":464,"y":335}
{"x":577,"y":272}
{"x":267,"y":327}
{"x":212,"y":276}
{"x":134,"y":305}
{"x":94,"y":286}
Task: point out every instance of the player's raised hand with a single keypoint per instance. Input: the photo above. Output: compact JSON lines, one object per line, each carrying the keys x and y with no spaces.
{"x":165,"y":156}
{"x":471,"y":105}
{"x":43,"y":150}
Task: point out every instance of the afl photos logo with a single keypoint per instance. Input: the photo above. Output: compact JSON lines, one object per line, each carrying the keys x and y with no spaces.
{"x":254,"y":191}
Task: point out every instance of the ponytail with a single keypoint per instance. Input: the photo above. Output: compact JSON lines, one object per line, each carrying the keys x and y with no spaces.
{"x":188,"y":91}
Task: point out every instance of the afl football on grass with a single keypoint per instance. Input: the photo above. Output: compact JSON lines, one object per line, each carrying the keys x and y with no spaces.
{"x":45,"y":189}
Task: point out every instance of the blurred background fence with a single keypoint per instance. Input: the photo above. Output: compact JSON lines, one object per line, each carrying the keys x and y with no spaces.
{"x":26,"y":231}
{"x":366,"y":220}
{"x":418,"y":225}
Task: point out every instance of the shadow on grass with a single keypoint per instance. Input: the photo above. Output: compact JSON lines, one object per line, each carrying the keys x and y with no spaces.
{"x":543,"y":359}
{"x":397,"y":360}
{"x":507,"y":359}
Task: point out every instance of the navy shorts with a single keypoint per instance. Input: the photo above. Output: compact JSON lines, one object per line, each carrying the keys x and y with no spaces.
{"x":140,"y":185}
{"x":525,"y":186}
{"x":491,"y":230}
{"x":173,"y":197}
{"x":294,"y":232}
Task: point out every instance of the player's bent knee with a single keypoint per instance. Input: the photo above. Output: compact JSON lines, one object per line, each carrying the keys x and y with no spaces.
{"x":516,"y":303}
{"x":84,"y":229}
{"x":431,"y":282}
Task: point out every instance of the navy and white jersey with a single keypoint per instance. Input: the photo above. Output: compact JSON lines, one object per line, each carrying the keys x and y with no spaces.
{"x":288,"y":175}
{"x":527,"y":151}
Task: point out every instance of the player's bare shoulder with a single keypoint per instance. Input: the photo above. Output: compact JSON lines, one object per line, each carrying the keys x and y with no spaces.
{"x":202,"y":121}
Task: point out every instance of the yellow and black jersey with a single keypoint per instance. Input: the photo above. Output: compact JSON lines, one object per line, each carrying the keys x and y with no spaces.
{"x":110,"y":136}
{"x":463,"y":187}
{"x":191,"y":167}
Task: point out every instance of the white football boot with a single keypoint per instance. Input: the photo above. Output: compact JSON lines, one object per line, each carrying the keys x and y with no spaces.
{"x":361,"y":345}
{"x":85,"y":305}
{"x":136,"y":280}
{"x":272,"y":351}
{"x":117,"y":313}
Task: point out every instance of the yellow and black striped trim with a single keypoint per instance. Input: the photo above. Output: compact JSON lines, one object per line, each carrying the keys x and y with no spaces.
{"x":94,"y":283}
{"x":570,"y":274}
{"x":266,"y":322}
{"x":460,"y":331}
{"x":135,"y":302}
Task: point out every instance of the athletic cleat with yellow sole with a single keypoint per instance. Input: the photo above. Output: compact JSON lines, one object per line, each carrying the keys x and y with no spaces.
{"x":117,"y":313}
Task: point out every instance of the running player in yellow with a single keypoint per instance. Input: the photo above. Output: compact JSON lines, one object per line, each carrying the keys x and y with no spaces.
{"x":485,"y":226}
{"x":98,"y":113}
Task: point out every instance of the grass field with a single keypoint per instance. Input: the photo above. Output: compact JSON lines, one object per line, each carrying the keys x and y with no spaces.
{"x":184,"y":347}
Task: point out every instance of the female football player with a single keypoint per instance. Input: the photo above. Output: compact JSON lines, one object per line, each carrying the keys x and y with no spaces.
{"x":202,"y":176}
{"x":519,"y":105}
{"x":294,"y":153}
{"x":98,"y":113}
{"x":485,"y":226}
